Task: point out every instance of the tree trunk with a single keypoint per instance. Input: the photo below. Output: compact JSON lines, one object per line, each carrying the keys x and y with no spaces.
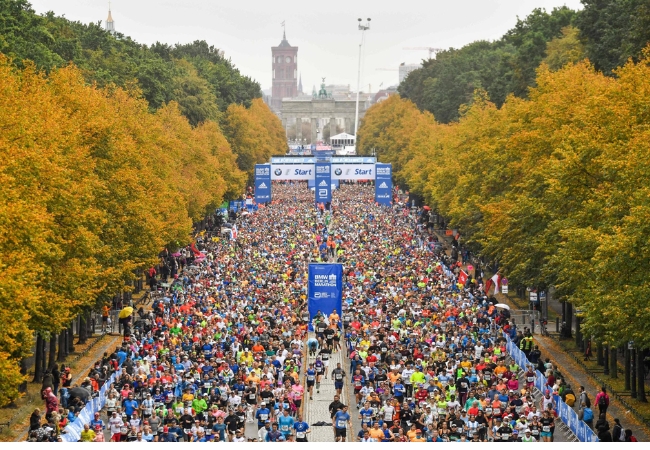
{"x":44,"y":356}
{"x":23,"y":371}
{"x":633,"y":364}
{"x":69,"y":336}
{"x":89,"y":324}
{"x":599,"y":354}
{"x":613,"y":366}
{"x":38,"y":360}
{"x":569,"y":320}
{"x":606,"y":359}
{"x":628,"y":365}
{"x":82,"y":329}
{"x":63,"y":345}
{"x":640,"y":376}
{"x":52,"y":356}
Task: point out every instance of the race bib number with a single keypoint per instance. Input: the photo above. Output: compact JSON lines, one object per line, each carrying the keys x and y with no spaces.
{"x":284,"y":427}
{"x":505,"y":436}
{"x":300,"y":434}
{"x":310,"y":377}
{"x":340,"y":423}
{"x":264,"y":417}
{"x":546,"y":429}
{"x":531,"y":379}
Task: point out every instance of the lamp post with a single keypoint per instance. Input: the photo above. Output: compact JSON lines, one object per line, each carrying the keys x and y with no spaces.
{"x":363,"y":29}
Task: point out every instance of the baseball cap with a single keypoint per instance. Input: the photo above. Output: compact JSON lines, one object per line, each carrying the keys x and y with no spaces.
{"x":165,"y":429}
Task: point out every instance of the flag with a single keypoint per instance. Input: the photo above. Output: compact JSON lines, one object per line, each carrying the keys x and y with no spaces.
{"x":234,"y":231}
{"x":462,"y":277}
{"x":494,"y":281}
{"x":195,"y":250}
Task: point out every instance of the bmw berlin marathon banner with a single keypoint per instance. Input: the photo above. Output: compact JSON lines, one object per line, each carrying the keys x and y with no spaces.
{"x":383,"y":184}
{"x":323,"y":182}
{"x":262,"y":183}
{"x":325,"y":289}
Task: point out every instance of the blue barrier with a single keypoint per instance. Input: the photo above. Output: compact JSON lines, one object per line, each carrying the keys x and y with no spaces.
{"x":74,"y":429}
{"x":566,"y":414}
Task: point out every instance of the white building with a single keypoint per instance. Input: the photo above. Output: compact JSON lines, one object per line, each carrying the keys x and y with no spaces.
{"x":405,"y":69}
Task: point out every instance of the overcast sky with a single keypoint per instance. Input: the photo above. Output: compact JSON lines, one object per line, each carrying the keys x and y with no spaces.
{"x":326,"y":32}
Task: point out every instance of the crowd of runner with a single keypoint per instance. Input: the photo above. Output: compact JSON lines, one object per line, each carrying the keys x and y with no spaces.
{"x":227,"y":349}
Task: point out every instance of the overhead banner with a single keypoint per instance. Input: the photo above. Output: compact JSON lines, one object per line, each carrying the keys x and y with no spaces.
{"x":262,"y":183}
{"x":292,"y":172}
{"x":323,"y":182}
{"x":383,"y":183}
{"x":325,"y":289}
{"x":353,"y":171}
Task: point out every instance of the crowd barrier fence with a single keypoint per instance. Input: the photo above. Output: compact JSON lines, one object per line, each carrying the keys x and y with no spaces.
{"x":74,"y":429}
{"x":567,"y":415}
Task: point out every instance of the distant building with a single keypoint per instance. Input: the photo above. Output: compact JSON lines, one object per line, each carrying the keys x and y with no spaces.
{"x":405,"y":69}
{"x":285,"y":73}
{"x":110,"y":25}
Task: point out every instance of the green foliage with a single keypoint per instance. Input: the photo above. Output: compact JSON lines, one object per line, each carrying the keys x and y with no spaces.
{"x":160,"y":72}
{"x":613,"y":31}
{"x":499,"y":68}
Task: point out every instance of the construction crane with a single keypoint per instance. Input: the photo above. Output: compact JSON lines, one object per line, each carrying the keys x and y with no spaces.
{"x":431,"y":50}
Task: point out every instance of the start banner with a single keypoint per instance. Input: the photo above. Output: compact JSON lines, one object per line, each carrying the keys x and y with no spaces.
{"x":353,"y":171}
{"x":292,"y":172}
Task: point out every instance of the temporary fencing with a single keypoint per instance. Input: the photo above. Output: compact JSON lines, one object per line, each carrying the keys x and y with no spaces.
{"x":74,"y":429}
{"x":567,"y":415}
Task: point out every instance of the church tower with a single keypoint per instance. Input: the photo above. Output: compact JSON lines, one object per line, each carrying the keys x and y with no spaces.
{"x":110,"y":25}
{"x":285,"y":72}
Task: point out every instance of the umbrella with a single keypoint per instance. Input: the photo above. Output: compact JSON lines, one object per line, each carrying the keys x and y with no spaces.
{"x":502,"y":305}
{"x":126,"y":312}
{"x":177,"y":254}
{"x":427,"y":208}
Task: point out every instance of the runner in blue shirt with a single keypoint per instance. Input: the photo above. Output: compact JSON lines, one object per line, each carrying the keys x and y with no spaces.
{"x":285,"y":422}
{"x":365,"y":414}
{"x":302,"y":428}
{"x":341,"y":422}
{"x":311,"y":380}
{"x":262,"y":415}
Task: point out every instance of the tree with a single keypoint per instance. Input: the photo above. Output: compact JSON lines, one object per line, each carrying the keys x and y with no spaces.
{"x":614,"y":31}
{"x":564,"y":50}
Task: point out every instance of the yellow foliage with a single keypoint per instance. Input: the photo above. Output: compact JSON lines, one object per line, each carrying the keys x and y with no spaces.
{"x":92,"y":186}
{"x":556,"y":188}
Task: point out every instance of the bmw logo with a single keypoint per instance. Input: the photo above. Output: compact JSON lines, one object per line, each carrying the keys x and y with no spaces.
{"x":278,"y":172}
{"x":338,"y":171}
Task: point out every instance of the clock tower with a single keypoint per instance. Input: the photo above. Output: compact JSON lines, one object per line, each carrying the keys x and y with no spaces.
{"x":284,"y":72}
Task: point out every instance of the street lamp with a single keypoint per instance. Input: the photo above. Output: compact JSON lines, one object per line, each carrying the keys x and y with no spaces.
{"x":363,"y":29}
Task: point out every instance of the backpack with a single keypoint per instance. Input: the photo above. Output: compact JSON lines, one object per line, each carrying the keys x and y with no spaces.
{"x":587,"y":414}
{"x":602,"y":401}
{"x":570,"y":399}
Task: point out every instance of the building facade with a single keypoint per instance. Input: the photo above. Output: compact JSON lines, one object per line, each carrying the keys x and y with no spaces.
{"x":405,"y":69}
{"x":284,"y":72}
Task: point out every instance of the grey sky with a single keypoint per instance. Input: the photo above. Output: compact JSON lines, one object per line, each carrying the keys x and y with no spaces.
{"x":326,"y":32}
